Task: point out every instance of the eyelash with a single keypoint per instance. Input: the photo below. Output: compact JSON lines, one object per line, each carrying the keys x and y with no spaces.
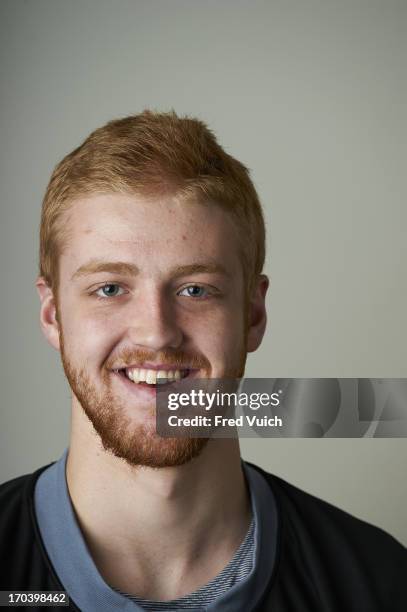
{"x":208,"y":295}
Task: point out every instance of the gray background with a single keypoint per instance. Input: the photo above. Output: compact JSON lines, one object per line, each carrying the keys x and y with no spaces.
{"x":311,"y":96}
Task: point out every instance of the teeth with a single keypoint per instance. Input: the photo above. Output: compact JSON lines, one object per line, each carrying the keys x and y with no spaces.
{"x":151,"y":377}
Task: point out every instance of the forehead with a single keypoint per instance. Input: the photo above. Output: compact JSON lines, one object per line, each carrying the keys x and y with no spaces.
{"x":154,"y":234}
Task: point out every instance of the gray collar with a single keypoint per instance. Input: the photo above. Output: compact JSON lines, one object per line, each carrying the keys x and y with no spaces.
{"x":76,"y":570}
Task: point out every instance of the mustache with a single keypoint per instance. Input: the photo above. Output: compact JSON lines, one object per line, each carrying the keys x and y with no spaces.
{"x":170,"y":357}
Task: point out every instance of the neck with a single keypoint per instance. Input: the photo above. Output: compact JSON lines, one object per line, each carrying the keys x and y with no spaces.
{"x":130,"y":515}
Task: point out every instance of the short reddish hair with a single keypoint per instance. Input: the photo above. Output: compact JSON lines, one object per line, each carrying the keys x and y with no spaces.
{"x":153,"y":154}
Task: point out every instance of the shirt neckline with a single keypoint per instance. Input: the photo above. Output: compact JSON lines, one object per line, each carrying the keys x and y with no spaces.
{"x":60,"y":533}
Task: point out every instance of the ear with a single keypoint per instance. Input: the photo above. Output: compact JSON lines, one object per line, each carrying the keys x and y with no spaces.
{"x":257,"y":315}
{"x":48,"y":313}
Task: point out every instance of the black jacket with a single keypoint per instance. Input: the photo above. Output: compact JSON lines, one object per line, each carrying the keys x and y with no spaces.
{"x":327,"y":560}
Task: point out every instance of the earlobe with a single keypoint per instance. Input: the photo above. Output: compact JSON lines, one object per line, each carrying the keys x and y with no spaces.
{"x":48,"y":313}
{"x":257,"y":315}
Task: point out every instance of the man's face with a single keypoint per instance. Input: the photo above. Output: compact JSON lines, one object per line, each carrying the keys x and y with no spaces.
{"x":147,"y":286}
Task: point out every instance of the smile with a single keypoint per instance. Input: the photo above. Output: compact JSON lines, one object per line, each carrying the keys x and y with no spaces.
{"x":153,"y":377}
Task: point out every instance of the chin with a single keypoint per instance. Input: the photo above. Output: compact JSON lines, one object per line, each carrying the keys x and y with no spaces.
{"x":145,"y":448}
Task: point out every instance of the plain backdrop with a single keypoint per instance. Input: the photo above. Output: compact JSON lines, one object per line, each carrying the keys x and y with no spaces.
{"x":311,"y":96}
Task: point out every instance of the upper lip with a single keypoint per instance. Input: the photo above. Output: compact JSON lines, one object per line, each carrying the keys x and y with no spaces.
{"x":151,"y":366}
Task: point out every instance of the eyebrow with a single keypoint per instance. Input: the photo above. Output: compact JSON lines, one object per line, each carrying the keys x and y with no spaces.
{"x":96,"y":266}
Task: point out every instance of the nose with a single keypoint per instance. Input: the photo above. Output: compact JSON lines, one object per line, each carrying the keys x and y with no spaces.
{"x":154,"y":322}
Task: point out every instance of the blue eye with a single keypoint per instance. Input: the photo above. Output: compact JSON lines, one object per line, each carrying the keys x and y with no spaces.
{"x":195,"y":291}
{"x":110,"y":290}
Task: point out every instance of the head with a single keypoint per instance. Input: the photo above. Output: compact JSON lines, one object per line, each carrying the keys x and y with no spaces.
{"x":151,"y":253}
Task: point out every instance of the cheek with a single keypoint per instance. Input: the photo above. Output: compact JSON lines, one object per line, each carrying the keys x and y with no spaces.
{"x":88,"y":335}
{"x":219,"y":335}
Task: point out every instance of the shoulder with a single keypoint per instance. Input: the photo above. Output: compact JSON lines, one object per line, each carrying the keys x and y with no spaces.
{"x":14,"y":491}
{"x":336,"y":547}
{"x":12,"y":496}
{"x":307,"y":511}
{"x":14,"y":487}
{"x":16,"y":506}
{"x":22,"y":558}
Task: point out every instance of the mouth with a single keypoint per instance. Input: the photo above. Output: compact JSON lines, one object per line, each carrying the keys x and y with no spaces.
{"x":153,"y":378}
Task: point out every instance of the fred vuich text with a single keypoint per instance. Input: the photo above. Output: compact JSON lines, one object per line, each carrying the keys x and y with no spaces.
{"x":220,"y":421}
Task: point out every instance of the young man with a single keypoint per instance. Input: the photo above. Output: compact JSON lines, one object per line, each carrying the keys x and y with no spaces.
{"x":151,"y":256}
